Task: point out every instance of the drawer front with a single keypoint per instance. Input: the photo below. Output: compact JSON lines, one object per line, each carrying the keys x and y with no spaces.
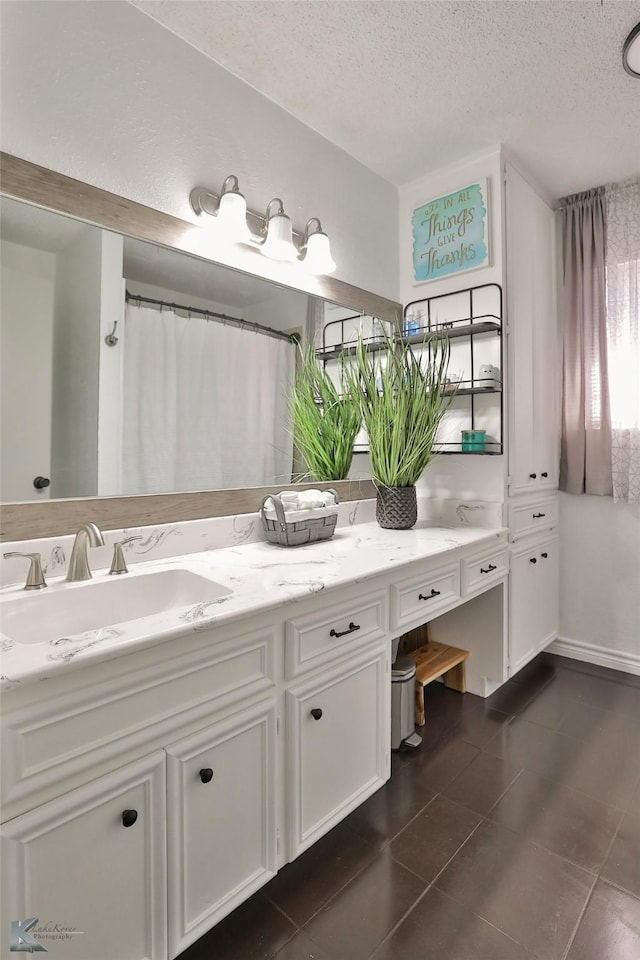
{"x":421,"y":598}
{"x":530,"y":517}
{"x":321,"y":637}
{"x":477,"y":574}
{"x":43,"y":748}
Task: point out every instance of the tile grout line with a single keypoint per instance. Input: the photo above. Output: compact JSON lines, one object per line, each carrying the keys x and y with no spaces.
{"x":283,"y":912}
{"x":619,"y":887}
{"x":377,"y":853}
{"x":427,"y":888}
{"x":574,"y":932}
{"x":540,"y":846}
{"x":506,"y":790}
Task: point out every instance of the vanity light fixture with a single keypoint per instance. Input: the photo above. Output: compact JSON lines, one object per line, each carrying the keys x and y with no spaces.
{"x":317,"y":257}
{"x":272,"y":232}
{"x":229,"y":210}
{"x":631,"y":52}
{"x":278,"y":243}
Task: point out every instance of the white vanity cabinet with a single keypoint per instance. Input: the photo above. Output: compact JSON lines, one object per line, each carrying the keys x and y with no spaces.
{"x":338,"y":727}
{"x":534,"y":599}
{"x":237,"y":745}
{"x":221,"y":801}
{"x":533,"y":343}
{"x":93,"y":860}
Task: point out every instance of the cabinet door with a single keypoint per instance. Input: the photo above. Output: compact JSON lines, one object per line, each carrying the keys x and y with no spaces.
{"x":338,"y":728}
{"x":521,"y":315}
{"x":523,"y":644}
{"x":82,"y":862}
{"x":548,"y":584}
{"x":533,"y":601}
{"x":533,"y":341}
{"x":222,"y":824}
{"x":547,"y":349}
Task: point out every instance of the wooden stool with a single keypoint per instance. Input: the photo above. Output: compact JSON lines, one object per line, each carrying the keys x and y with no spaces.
{"x":435,"y":660}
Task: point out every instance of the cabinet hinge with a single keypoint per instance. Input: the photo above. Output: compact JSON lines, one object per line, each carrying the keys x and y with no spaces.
{"x":278,"y":842}
{"x":277,"y":726}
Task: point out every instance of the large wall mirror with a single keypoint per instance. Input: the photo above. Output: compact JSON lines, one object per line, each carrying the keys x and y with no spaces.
{"x":137,"y":370}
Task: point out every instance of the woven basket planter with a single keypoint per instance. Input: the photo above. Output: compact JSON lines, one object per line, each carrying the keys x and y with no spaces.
{"x":396,"y":507}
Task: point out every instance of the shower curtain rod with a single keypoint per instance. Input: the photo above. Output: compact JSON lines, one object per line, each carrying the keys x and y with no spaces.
{"x":219,"y":317}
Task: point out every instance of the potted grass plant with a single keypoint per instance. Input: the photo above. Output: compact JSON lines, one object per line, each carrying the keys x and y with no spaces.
{"x":402,"y":401}
{"x":326,"y":419}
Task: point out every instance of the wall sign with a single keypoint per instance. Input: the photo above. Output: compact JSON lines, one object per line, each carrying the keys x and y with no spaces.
{"x":451,"y":234}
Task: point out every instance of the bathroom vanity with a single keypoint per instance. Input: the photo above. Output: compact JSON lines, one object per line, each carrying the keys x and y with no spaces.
{"x":168,"y":766}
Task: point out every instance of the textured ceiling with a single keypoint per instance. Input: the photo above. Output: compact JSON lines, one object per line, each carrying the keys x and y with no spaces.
{"x":407,"y":87}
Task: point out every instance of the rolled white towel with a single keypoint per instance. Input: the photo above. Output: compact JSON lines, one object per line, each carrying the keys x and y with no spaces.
{"x":310,"y":500}
{"x":289,"y":496}
{"x":287,"y":505}
{"x":328,"y":498}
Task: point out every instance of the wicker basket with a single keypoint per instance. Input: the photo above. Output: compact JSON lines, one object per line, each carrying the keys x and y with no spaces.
{"x":298,"y":532}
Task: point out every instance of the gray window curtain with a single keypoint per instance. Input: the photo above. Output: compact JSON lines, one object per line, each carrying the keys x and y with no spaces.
{"x":585,"y":458}
{"x":623,"y":327}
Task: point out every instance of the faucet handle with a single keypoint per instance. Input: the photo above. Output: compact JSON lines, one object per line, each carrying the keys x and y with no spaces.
{"x":35,"y":577}
{"x":118,"y":563}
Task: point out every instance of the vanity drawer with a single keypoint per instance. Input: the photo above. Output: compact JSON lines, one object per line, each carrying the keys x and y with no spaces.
{"x":321,"y":637}
{"x":420,"y":598}
{"x":44,"y":749}
{"x":487,"y":569}
{"x":534,"y":515}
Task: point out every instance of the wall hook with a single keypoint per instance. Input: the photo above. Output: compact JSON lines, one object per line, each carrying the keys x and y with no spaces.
{"x":111,"y":338}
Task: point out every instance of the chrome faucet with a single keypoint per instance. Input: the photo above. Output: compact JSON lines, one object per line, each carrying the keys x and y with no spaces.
{"x":87,"y":536}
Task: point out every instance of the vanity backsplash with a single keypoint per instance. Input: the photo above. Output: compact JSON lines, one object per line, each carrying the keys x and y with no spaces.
{"x":161,"y":541}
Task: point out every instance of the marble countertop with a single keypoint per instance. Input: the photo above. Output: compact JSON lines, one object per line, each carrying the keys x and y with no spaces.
{"x":260,"y":577}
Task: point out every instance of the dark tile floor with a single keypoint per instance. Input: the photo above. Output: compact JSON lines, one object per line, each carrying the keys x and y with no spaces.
{"x":513,"y":833}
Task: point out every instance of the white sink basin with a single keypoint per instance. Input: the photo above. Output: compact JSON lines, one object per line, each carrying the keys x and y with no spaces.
{"x":72,"y":608}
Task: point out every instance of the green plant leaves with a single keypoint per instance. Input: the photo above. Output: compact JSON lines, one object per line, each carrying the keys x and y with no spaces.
{"x":402,"y":404}
{"x":325,"y":419}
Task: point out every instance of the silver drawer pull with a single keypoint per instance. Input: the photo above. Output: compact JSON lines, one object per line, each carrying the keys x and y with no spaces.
{"x":430,"y":596}
{"x":491,"y":567}
{"x":342,"y":633}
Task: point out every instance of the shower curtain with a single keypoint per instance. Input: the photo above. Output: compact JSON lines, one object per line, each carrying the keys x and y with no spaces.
{"x":204,"y":404}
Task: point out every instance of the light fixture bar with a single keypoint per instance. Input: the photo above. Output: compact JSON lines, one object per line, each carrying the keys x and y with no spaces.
{"x":272,"y":232}
{"x":205,"y":201}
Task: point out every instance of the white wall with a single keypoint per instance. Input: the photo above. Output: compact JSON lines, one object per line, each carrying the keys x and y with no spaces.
{"x":286,"y":311}
{"x":600,"y":581}
{"x":76,"y":350}
{"x":111,"y":366}
{"x":458,"y":477}
{"x":101,"y":92}
{"x":27,"y":283}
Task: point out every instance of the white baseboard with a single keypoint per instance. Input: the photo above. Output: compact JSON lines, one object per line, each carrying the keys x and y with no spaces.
{"x":592,"y":653}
